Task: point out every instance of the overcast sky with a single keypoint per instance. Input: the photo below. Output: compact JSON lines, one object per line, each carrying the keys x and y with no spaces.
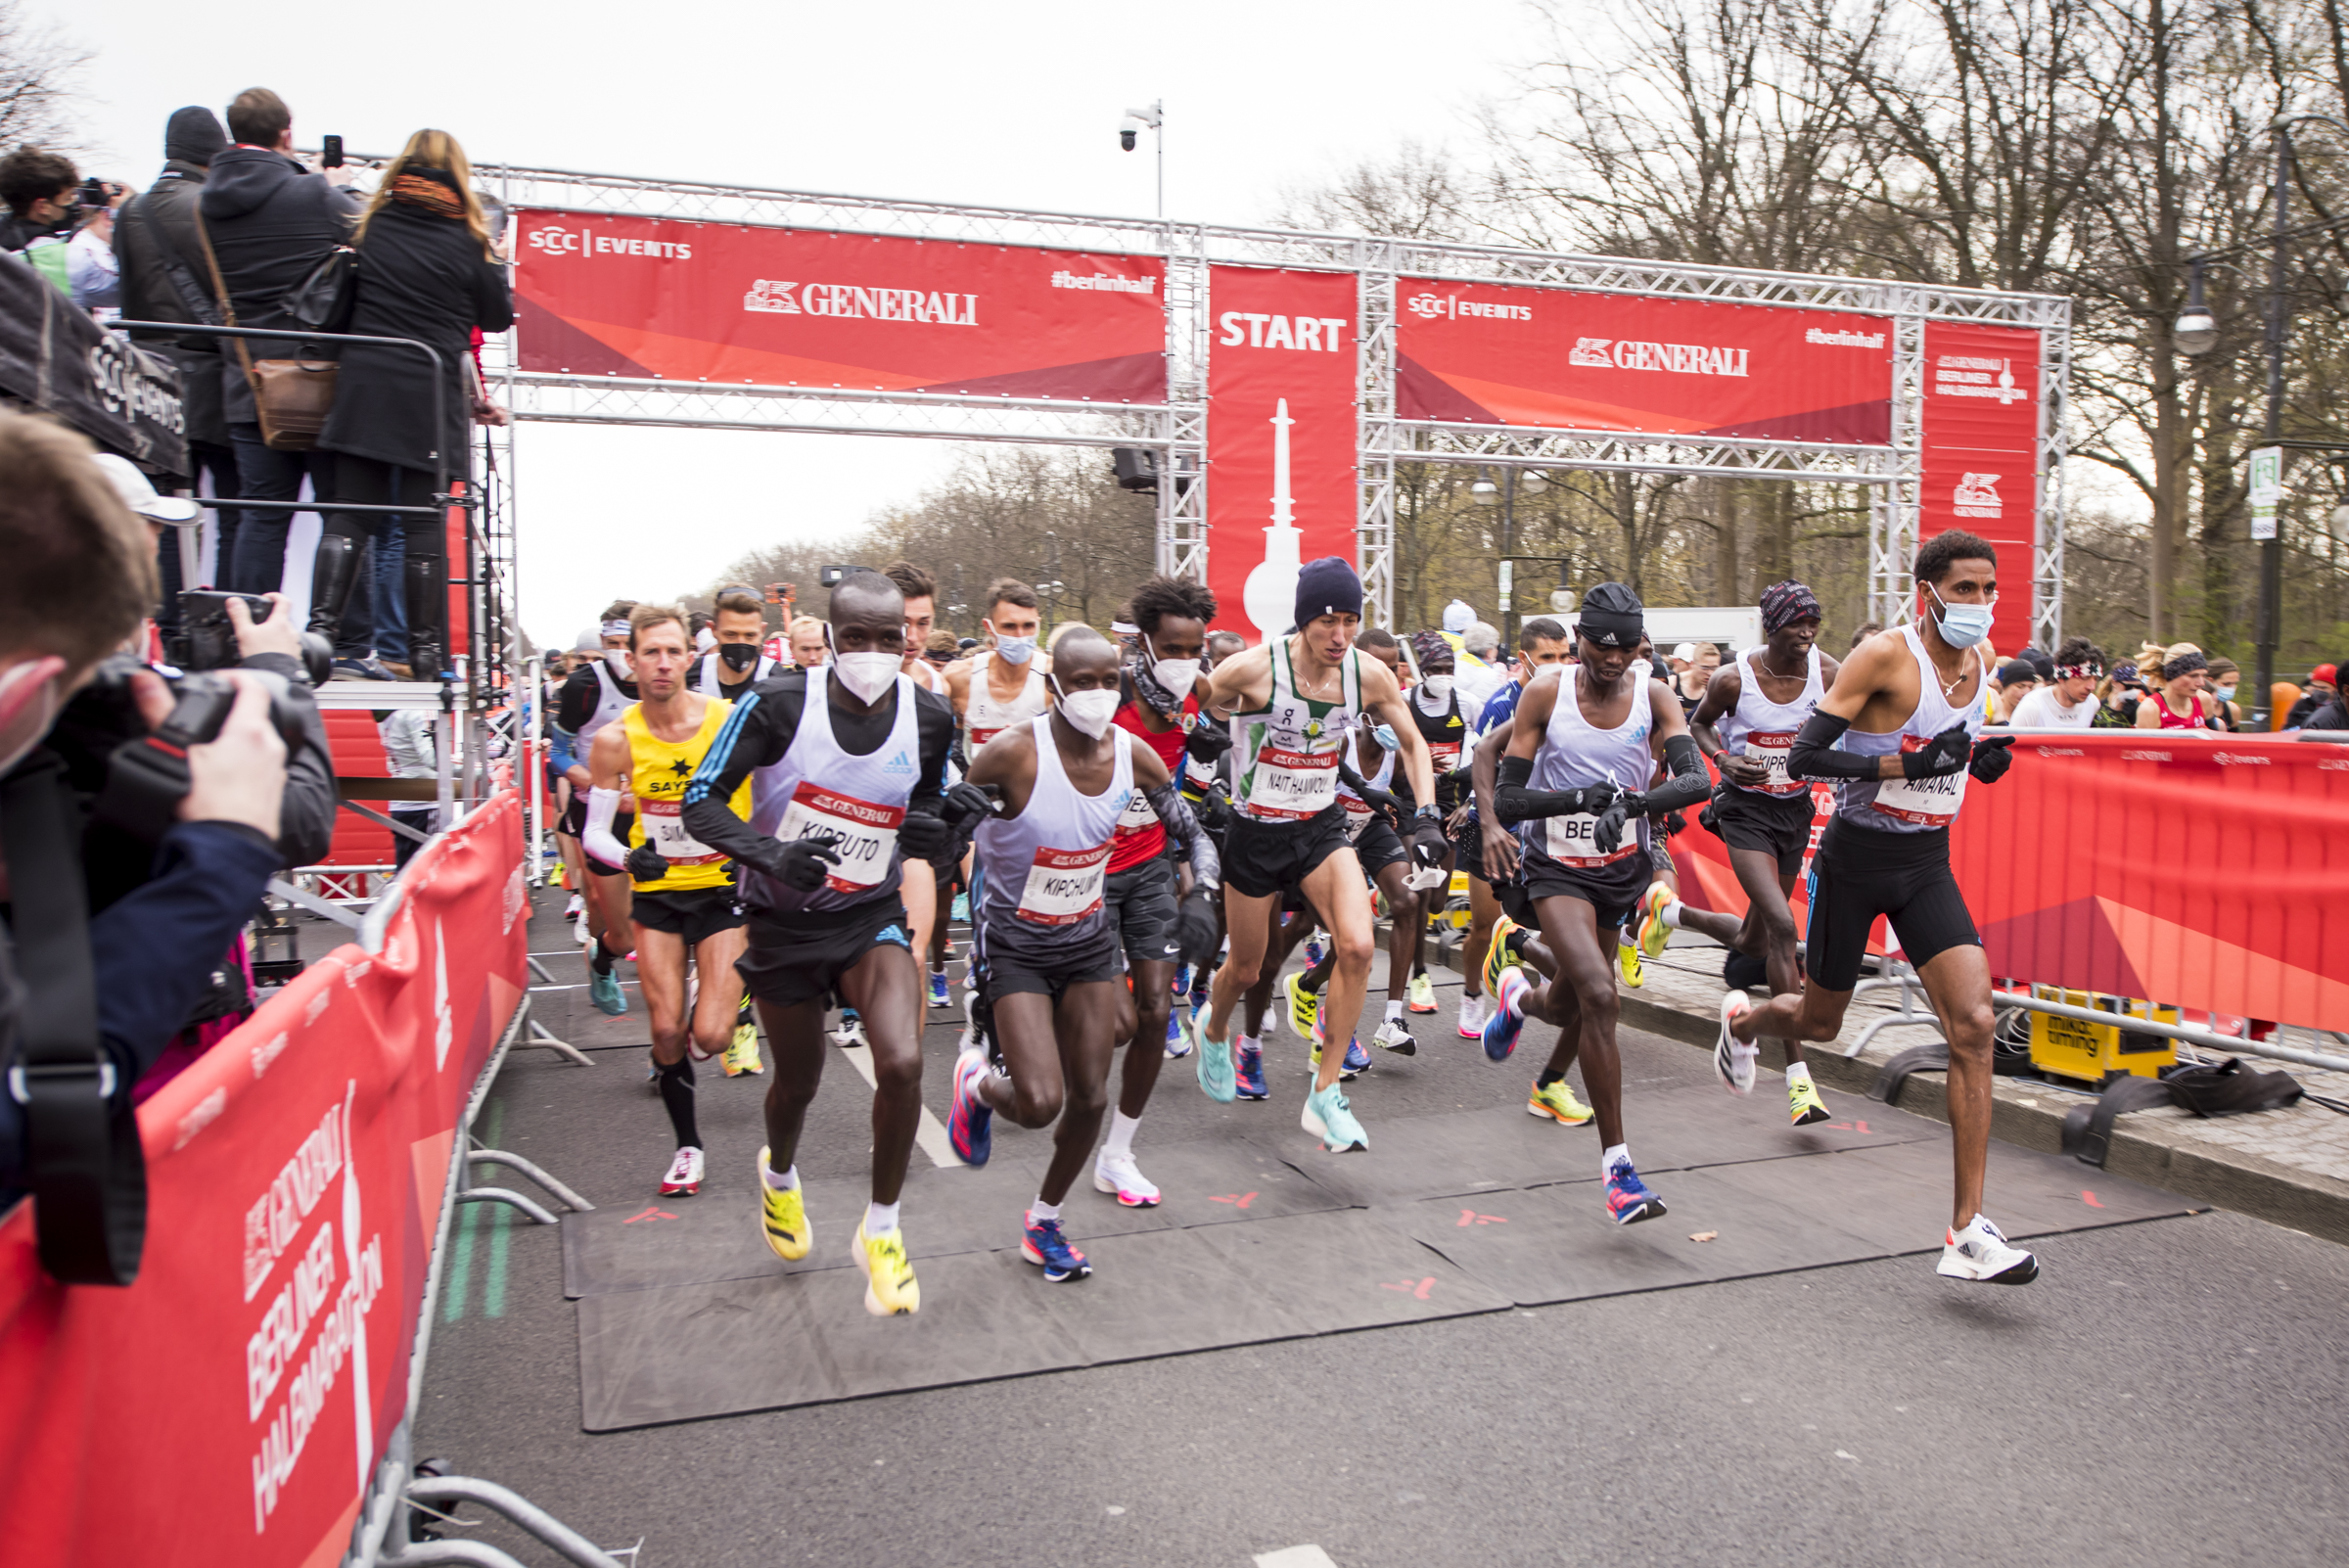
{"x":1004,"y":104}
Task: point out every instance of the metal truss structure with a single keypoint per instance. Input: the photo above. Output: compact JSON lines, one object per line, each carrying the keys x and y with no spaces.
{"x":1177,"y":429}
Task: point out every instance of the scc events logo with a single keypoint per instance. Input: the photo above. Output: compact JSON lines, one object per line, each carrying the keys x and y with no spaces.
{"x":555,"y":240}
{"x":1451,"y":306}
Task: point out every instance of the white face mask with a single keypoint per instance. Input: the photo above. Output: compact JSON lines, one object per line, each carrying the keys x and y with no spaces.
{"x":868,"y":674}
{"x":1014,"y":650}
{"x":1089,"y":711}
{"x":1963,"y":624}
{"x":621,"y":665}
{"x":1176,"y":675}
{"x":1437,"y":689}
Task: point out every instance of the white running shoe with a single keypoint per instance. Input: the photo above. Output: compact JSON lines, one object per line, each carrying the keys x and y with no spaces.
{"x":1393,"y":1037}
{"x":849,"y":1035}
{"x":1472,"y":1017}
{"x":1732,"y":1058}
{"x":1117,"y":1173}
{"x":580,"y":930}
{"x":1980,"y":1253}
{"x":684,"y":1177}
{"x":576,"y":907}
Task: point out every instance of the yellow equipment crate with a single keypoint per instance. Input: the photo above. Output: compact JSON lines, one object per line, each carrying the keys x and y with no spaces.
{"x":2073,"y":1048}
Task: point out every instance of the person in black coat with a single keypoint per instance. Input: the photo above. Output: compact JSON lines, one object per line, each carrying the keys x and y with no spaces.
{"x":270,"y":222}
{"x":427,"y":270}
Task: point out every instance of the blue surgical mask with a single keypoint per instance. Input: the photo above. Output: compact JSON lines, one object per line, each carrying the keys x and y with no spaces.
{"x":1963,"y":624}
{"x":2224,"y":694}
{"x":1015,"y":650}
{"x":1384,"y":734}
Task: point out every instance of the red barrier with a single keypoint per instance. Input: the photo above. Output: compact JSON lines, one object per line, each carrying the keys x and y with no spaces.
{"x":2206,"y":873}
{"x":230,"y":1405}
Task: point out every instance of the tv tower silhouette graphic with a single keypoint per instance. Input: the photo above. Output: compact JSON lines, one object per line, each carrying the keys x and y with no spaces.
{"x":1269,"y":596}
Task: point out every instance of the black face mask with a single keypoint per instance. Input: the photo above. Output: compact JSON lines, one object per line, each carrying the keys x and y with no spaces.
{"x":738,"y":656}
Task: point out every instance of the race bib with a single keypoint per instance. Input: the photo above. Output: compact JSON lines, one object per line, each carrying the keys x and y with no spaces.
{"x":868,"y":834}
{"x":1064,"y":886}
{"x":1445,"y":756}
{"x":1137,"y":817}
{"x":1292,"y":784}
{"x":1359,"y":817}
{"x":1574,"y":841}
{"x":664,"y":824}
{"x":1771,"y":750}
{"x":1927,"y":801}
{"x":979,"y":737}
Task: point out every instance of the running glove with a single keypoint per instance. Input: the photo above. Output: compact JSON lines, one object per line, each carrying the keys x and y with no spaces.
{"x":1208,"y":741}
{"x":647,"y":865}
{"x":801,"y":863}
{"x":1620,"y":812}
{"x":1991,"y":757}
{"x":1198,"y":930}
{"x":925,"y":836}
{"x":965,"y":804}
{"x":1944,"y":753}
{"x":1428,"y":842}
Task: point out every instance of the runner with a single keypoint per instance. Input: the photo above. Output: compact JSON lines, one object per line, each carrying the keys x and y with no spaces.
{"x":1582,"y":746}
{"x":1002,"y":686}
{"x":1292,"y":703}
{"x":592,"y":697}
{"x":848,"y":768}
{"x":1906,"y":710}
{"x":1541,"y":641}
{"x":927,"y":904}
{"x":1047,"y":943}
{"x":736,"y":662}
{"x":1760,"y":701}
{"x":683,"y":904}
{"x":1436,"y":711}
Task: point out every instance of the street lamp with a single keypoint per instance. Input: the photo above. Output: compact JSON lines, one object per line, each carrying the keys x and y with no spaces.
{"x":1154,"y":119}
{"x":1484,"y":492}
{"x":2196,"y":330}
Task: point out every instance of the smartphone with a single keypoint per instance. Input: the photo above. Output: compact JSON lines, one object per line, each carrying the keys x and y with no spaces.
{"x":332,"y":156}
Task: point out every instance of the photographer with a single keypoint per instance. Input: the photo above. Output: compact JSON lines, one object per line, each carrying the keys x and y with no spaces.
{"x":80,"y":579}
{"x":43,"y":192}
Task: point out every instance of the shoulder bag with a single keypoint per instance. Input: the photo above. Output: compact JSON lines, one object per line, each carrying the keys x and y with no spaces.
{"x":291,"y":396}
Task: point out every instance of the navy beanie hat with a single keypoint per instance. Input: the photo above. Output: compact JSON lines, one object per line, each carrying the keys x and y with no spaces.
{"x":1327,"y":587}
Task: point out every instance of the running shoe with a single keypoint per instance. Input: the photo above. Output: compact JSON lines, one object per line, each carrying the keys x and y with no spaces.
{"x":889,"y":1288}
{"x":576,"y":907}
{"x":652,"y":1072}
{"x":603,"y":990}
{"x":742,"y":1056}
{"x":1420,"y":994}
{"x":1178,"y":1043}
{"x":1316,"y":949}
{"x":1043,"y":1244}
{"x":1248,"y":1072}
{"x":684,"y":1177}
{"x":962,"y":907}
{"x":1980,"y":1255}
{"x":1349,"y":1069}
{"x":1732,"y":1058}
{"x":1505,"y":950}
{"x":1628,"y":1200}
{"x":940,"y":997}
{"x":970,"y":1121}
{"x":1330,"y":1119}
{"x":783,"y":1213}
{"x":1803,"y":1104}
{"x":1117,"y":1176}
{"x":1507,"y":1022}
{"x":1203,"y":980}
{"x":583,"y":931}
{"x":1557,"y":1102}
{"x":1182,"y":981}
{"x":1472,"y":1017}
{"x":1304,"y":1006}
{"x":1626,"y":956}
{"x":1393,"y":1037}
{"x":1215,"y":1063}
{"x":849,"y":1033}
{"x":1654,"y":934}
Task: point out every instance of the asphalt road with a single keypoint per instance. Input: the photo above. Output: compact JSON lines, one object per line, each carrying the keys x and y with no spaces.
{"x":2168,"y":1392}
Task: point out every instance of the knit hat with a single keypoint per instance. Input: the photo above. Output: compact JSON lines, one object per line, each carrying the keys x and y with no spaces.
{"x":1459,"y":617}
{"x":1612,"y":617}
{"x":1327,"y":587}
{"x":192,"y":135}
{"x":1785,"y":603}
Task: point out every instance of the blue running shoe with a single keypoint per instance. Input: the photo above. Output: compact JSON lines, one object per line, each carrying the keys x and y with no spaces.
{"x":1043,"y":1244}
{"x":603,"y":990}
{"x":1628,"y":1200}
{"x":1178,"y":1043}
{"x":940,"y":996}
{"x":1248,"y":1072}
{"x":970,"y":1121}
{"x":1214,"y":1064}
{"x":1315,"y":951}
{"x":1357,"y":1060}
{"x":1507,"y":1022}
{"x":1182,"y":981}
{"x":1203,"y":980}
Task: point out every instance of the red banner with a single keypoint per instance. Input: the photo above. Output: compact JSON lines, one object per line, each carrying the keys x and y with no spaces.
{"x":1282,"y":437}
{"x":231,"y":1405}
{"x":1981,"y":456}
{"x":597,"y":294}
{"x":1564,"y":359}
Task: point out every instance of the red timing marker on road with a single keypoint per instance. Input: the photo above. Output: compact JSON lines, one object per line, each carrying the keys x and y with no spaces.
{"x":1238,"y":1200}
{"x":1419,"y":1288}
{"x":2090,"y":1199}
{"x":651,"y":1211}
{"x":1469,"y":1216}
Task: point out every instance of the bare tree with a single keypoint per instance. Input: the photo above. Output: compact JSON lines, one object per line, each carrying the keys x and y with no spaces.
{"x":37,"y":72}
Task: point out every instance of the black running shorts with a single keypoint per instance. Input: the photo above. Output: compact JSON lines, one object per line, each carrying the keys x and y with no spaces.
{"x":800,"y":957}
{"x":696,"y":913}
{"x":1142,"y":905}
{"x":1379,"y":848}
{"x":1861,"y":873}
{"x":1612,"y":890}
{"x":1263,"y":858}
{"x":1777,"y":825}
{"x":1008,"y":977}
{"x":1468,"y":848}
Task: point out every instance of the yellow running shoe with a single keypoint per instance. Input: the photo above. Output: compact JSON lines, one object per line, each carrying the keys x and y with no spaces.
{"x":889,"y":1288}
{"x":1304,"y":1005}
{"x":1803,"y":1102}
{"x":1420,"y":994}
{"x":1654,"y":934}
{"x":743,"y":1055}
{"x":1497,"y":956}
{"x":784,"y":1216}
{"x":1557,"y":1102}
{"x":1627,"y":955}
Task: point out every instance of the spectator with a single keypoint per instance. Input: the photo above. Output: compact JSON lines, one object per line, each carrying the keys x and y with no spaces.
{"x":41,"y":190}
{"x":2334,"y":713}
{"x":2068,"y":701}
{"x":165,"y":279}
{"x":2016,"y":679}
{"x":1865,"y":630}
{"x":427,"y":271}
{"x":808,"y":648}
{"x":92,"y":277}
{"x":2322,"y":688}
{"x":1459,"y":617}
{"x":411,"y":749}
{"x":2226,"y":712}
{"x":2179,"y":704}
{"x":269,"y":222}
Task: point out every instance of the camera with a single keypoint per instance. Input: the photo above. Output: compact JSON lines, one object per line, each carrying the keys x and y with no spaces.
{"x":95,"y":195}
{"x":208,"y":640}
{"x":140,"y":776}
{"x":1125,"y":135}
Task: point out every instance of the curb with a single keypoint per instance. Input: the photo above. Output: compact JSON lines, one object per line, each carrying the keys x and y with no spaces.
{"x":2155,"y":1152}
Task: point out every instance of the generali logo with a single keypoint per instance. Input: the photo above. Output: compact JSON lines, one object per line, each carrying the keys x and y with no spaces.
{"x":1673,"y":358}
{"x":772,"y":296}
{"x":1976,"y":495}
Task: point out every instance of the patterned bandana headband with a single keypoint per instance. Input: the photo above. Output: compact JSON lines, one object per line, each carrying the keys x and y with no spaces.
{"x":2087,"y":672}
{"x":1785,"y":603}
{"x":615,"y":629}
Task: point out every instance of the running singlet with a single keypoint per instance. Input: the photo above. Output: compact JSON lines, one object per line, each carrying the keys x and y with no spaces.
{"x":1359,"y":815}
{"x":989,"y":717}
{"x":1042,"y":870}
{"x":1764,"y":730}
{"x":1443,"y":733}
{"x":1912,"y":804}
{"x":1575,"y":753}
{"x":608,"y":700}
{"x":707,"y":678}
{"x":2171,"y":719}
{"x":1287,"y":752}
{"x":818,"y":786}
{"x":1141,"y":835}
{"x":657,"y":772}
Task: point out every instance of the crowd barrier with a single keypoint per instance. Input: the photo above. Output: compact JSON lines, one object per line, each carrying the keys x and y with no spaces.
{"x":238,"y":1402}
{"x":2209,"y":872}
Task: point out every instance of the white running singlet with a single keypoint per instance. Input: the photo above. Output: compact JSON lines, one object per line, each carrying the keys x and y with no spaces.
{"x":988,"y":717}
{"x":1575,"y":753}
{"x":1764,"y":730}
{"x":862,"y":799}
{"x":1912,"y":805}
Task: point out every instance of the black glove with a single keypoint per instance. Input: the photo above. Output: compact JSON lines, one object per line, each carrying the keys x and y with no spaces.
{"x":1618,"y":816}
{"x":801,"y":863}
{"x":1208,"y":741}
{"x":1595,"y":798}
{"x":1427,"y":842}
{"x":1450,"y":790}
{"x":1214,"y":811}
{"x":925,"y":836}
{"x":647,"y":865}
{"x":1675,"y":823}
{"x":1198,"y":927}
{"x":1940,"y":757}
{"x":966,"y":805}
{"x":1382,"y":802}
{"x":1991,"y":757}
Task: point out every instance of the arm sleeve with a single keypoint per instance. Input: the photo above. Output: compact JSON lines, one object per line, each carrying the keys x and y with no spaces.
{"x":754,"y":735}
{"x":1514,"y":801}
{"x":562,"y":748}
{"x":575,"y":705}
{"x":1207,"y":867}
{"x":1689,"y":782}
{"x":1814,"y":754}
{"x":306,"y":813}
{"x":602,"y":807}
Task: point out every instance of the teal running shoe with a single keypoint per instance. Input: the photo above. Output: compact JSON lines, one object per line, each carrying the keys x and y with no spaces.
{"x":1330,"y":1119}
{"x":603,"y":990}
{"x":1215,"y":1076}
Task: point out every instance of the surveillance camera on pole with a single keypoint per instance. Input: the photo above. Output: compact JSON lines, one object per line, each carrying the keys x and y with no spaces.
{"x":1130,"y":130}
